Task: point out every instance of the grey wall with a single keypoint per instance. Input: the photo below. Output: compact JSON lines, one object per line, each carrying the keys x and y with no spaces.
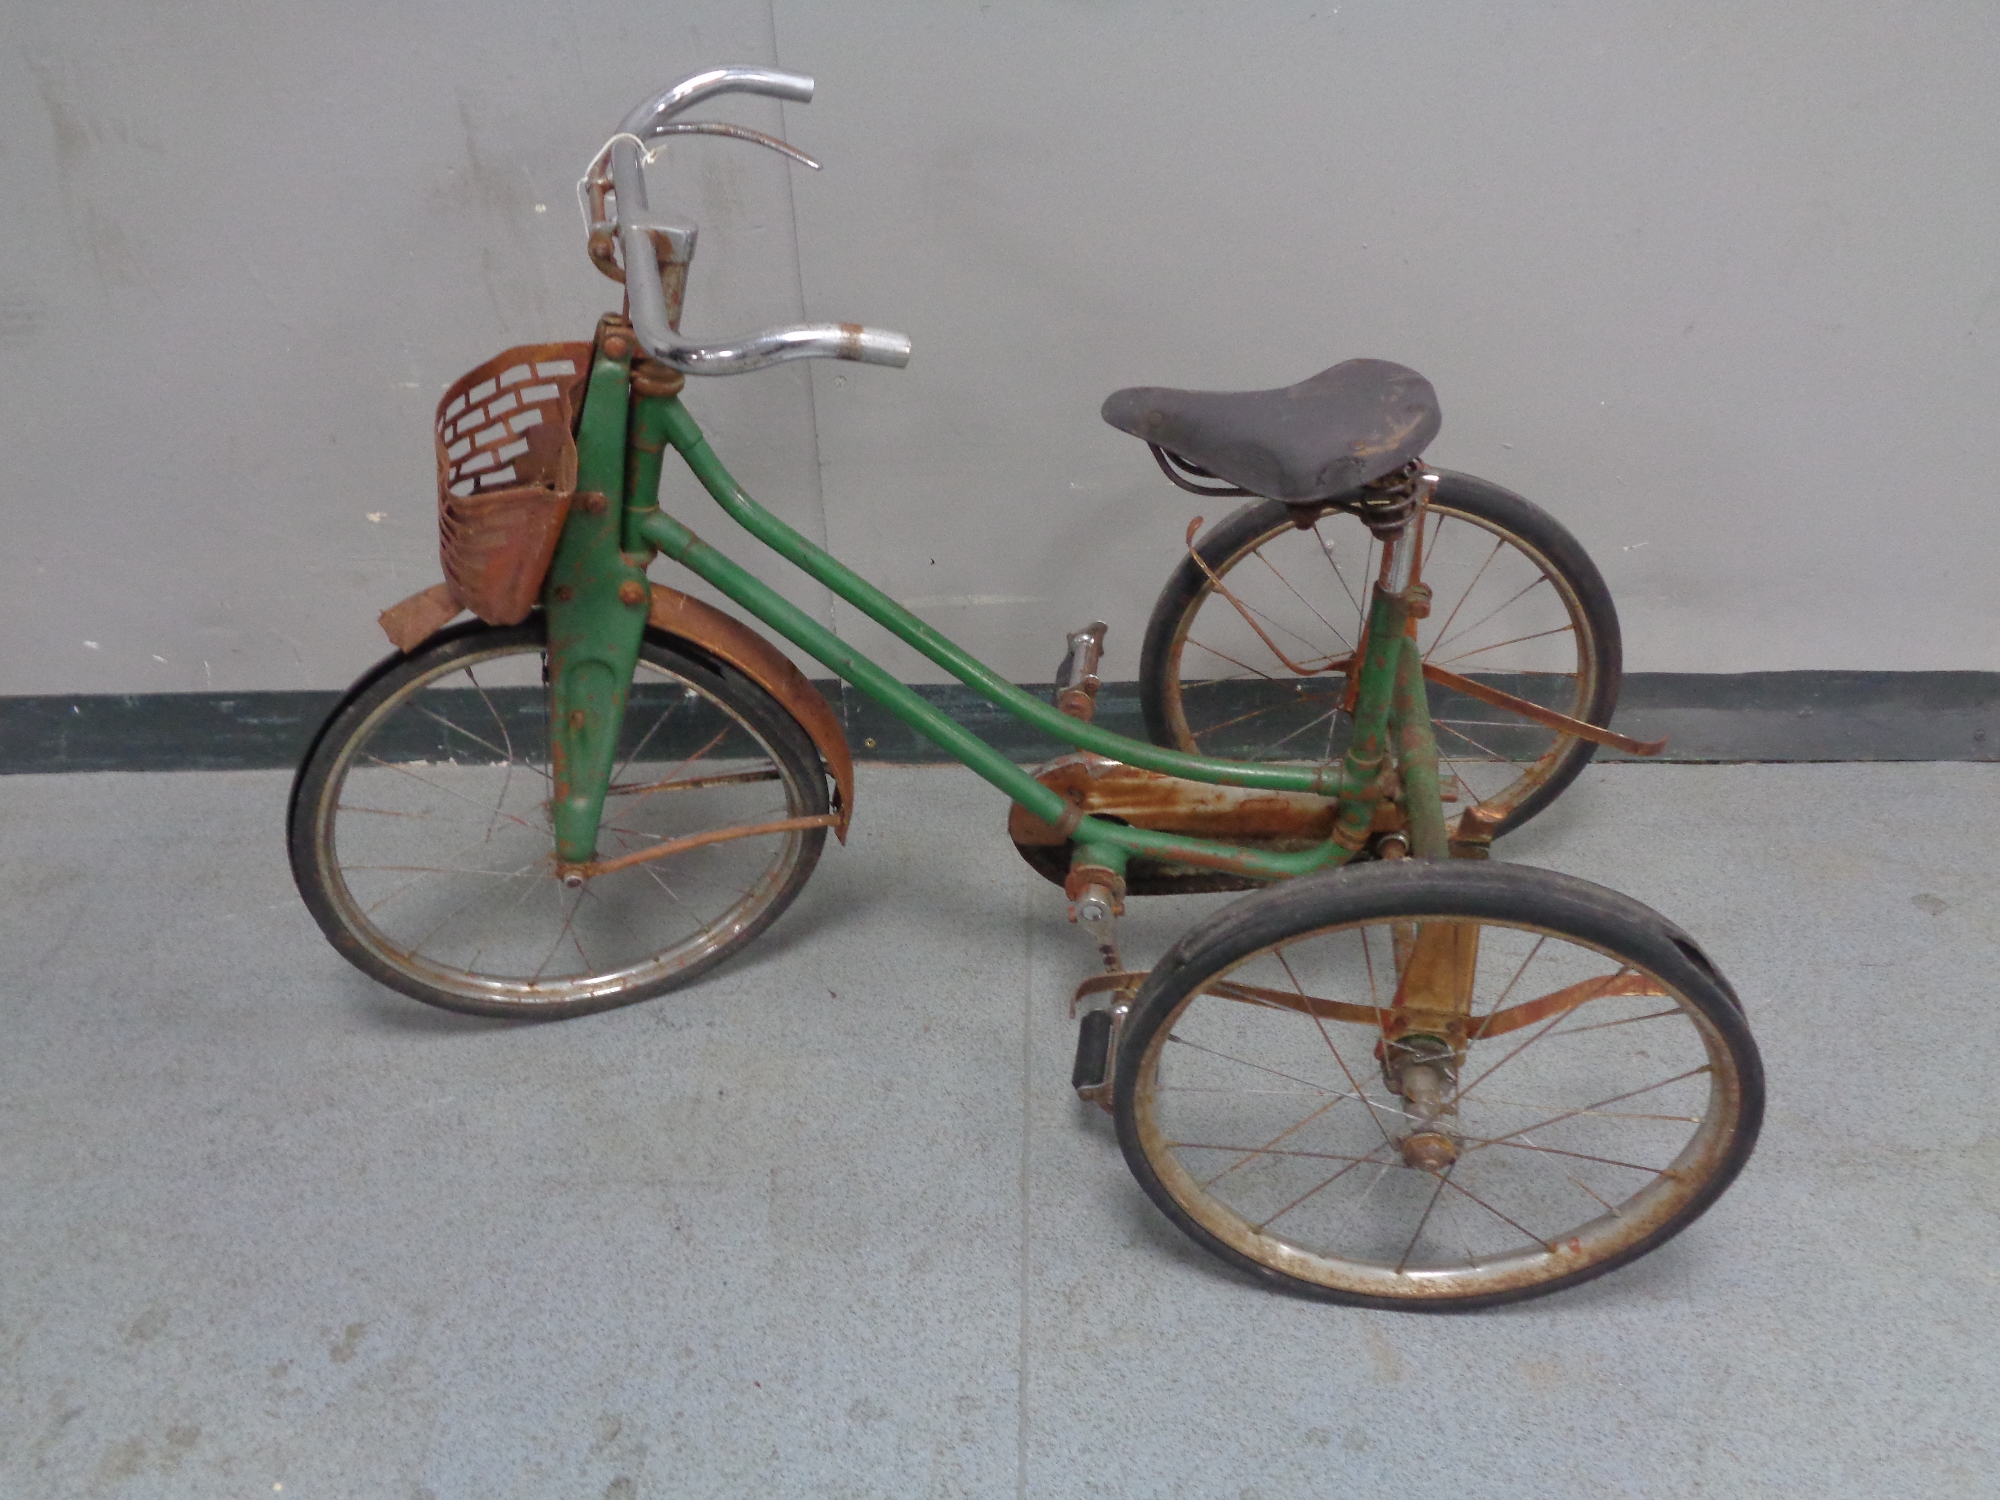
{"x":1715,"y":283}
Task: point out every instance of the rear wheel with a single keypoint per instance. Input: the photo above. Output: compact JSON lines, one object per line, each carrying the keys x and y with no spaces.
{"x":1260,"y":672}
{"x":421,"y":840}
{"x":1436,"y":1086}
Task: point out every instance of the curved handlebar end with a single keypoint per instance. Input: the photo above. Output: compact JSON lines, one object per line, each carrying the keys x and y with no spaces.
{"x":874,"y":346}
{"x":797,"y":87}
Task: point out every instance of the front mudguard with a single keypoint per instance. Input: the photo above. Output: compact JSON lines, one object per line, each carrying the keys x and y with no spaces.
{"x":711,"y":632}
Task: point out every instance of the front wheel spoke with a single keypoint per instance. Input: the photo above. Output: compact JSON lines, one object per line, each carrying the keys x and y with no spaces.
{"x":499,"y":722}
{"x":1374,"y":1153}
{"x":1608,"y":1206}
{"x":646,"y":837}
{"x":616,"y":915}
{"x":438,"y":870}
{"x":444,"y":921}
{"x":1487,"y":1101}
{"x":646,"y":738}
{"x":411,"y":884}
{"x":569,"y":920}
{"x":499,"y":752}
{"x":720,"y":735}
{"x":402,"y":770}
{"x":692,"y":783}
{"x":661,"y":882}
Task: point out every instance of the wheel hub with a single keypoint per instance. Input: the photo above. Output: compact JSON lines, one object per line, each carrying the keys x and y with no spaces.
{"x":1424,"y":1070}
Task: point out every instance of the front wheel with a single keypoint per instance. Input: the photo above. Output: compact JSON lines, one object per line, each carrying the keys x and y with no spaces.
{"x":421,"y":839}
{"x":1436,"y":1086}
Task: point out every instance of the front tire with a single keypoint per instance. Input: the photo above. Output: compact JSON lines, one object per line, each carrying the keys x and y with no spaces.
{"x":420,"y":834}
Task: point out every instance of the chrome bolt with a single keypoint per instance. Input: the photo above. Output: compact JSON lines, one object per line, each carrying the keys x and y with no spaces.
{"x":1095,"y":904}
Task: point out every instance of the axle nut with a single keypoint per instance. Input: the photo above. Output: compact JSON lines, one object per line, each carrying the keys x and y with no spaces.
{"x":1429,"y":1150}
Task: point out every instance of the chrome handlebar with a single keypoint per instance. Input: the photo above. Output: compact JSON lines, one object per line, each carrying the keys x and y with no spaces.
{"x":666,"y":247}
{"x":689,"y":92}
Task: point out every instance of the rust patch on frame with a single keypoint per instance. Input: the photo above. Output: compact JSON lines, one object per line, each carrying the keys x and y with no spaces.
{"x":1099,"y":787}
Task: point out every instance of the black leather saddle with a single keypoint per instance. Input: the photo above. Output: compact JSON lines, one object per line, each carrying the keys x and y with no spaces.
{"x":1359,"y":421}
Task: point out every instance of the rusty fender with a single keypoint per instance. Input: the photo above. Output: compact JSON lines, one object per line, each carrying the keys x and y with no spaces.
{"x":1166,"y":804}
{"x":412,"y":622}
{"x":729,"y":639}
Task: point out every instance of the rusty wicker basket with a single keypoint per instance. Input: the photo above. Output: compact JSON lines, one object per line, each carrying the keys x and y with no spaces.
{"x":506,"y":461}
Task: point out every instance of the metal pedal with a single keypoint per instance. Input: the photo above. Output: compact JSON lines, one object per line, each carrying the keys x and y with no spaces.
{"x":1091,"y":1077}
{"x":1076,"y":678}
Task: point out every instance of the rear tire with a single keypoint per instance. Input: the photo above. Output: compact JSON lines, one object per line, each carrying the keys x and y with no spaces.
{"x":1516,"y":600}
{"x":1269,"y":1132}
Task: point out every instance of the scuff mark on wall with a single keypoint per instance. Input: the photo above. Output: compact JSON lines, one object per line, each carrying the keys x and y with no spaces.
{"x":22,"y":316}
{"x":78,"y":133}
{"x":503,"y":195}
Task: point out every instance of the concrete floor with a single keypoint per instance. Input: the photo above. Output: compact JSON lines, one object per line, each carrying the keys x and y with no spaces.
{"x":832,"y":1224}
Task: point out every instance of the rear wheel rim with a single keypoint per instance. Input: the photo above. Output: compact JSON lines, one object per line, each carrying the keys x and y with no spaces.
{"x":1582,"y":1139}
{"x":1500,"y":610}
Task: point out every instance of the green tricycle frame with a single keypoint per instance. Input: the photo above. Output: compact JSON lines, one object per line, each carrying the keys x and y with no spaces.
{"x":1302,"y":1083}
{"x":595,"y":630}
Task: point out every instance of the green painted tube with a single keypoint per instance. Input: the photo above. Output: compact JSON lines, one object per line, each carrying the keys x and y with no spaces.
{"x":879,"y":607}
{"x":684,"y":547}
{"x":1417,"y":757}
{"x":645,"y":448}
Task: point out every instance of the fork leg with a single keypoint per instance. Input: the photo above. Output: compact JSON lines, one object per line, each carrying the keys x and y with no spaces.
{"x":595,"y":600}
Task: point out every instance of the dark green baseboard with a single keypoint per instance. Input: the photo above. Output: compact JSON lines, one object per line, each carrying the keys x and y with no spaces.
{"x":1750,"y":716}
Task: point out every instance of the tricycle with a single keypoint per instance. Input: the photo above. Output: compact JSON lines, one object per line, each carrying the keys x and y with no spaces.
{"x":1394,"y":1073}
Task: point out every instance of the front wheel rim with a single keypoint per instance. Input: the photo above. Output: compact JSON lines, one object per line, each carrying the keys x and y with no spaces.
{"x":542,"y":947}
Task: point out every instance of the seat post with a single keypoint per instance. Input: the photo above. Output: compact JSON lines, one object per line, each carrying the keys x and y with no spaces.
{"x":1399,"y":546}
